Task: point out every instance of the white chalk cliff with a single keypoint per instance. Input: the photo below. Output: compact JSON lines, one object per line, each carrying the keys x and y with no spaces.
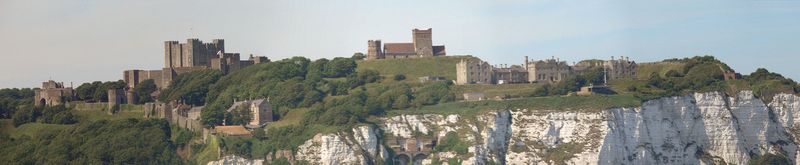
{"x":702,"y":128}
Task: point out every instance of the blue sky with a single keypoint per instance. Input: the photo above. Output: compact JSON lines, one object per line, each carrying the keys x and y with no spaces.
{"x":81,"y":41}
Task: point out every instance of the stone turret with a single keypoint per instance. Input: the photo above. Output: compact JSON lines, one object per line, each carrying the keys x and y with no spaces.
{"x":374,"y":50}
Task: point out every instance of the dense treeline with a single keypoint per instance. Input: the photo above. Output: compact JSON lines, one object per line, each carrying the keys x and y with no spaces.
{"x":191,"y":88}
{"x":47,"y":114}
{"x":97,"y":91}
{"x":130,"y":141}
{"x":12,"y":99}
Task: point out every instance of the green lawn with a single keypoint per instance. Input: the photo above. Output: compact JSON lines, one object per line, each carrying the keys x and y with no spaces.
{"x":293,"y":117}
{"x":413,"y":68}
{"x":97,"y":111}
{"x":555,"y":103}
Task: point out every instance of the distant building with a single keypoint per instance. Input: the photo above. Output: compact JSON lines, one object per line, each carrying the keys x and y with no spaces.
{"x":510,"y":74}
{"x":421,"y":46}
{"x":549,"y":70}
{"x":260,"y":111}
{"x":623,"y":68}
{"x":474,"y":72}
{"x":53,"y":93}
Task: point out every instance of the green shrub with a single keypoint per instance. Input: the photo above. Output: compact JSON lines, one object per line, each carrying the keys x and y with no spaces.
{"x":451,"y":142}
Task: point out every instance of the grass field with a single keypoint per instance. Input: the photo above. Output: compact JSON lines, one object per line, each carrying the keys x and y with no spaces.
{"x":644,"y":70}
{"x":32,"y":129}
{"x":413,"y":68}
{"x":556,"y":103}
{"x":98,"y":111}
{"x":293,"y":117}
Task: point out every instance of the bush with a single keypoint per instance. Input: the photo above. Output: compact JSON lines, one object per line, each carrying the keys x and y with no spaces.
{"x":399,"y":77}
{"x":24,"y":115}
{"x":451,"y":142}
{"x":771,"y":159}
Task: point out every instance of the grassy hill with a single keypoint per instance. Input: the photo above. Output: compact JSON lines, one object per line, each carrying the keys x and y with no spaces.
{"x":414,"y":68}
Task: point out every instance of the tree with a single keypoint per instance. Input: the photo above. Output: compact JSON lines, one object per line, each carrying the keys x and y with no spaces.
{"x":239,"y":116}
{"x":86,"y":91}
{"x":191,"y":88}
{"x":144,"y":90}
{"x":101,"y":92}
{"x":317,"y":68}
{"x":340,"y":67}
{"x":24,"y":115}
{"x":359,"y":56}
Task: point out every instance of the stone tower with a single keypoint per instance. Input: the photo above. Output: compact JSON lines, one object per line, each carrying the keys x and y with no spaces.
{"x":423,"y":42}
{"x":374,"y":50}
{"x":193,"y":53}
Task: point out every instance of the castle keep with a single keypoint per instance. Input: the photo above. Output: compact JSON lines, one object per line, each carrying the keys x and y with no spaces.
{"x":194,"y":55}
{"x":420,"y":46}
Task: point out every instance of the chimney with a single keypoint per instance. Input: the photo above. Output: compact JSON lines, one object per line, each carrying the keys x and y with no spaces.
{"x":526,"y":63}
{"x":612,"y":57}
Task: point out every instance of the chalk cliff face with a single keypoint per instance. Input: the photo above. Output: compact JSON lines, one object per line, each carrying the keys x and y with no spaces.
{"x":702,"y":128}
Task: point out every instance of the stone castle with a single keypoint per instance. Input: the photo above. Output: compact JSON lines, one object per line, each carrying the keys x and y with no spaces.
{"x":191,"y":56}
{"x":551,"y":70}
{"x":53,"y":93}
{"x":420,"y":46}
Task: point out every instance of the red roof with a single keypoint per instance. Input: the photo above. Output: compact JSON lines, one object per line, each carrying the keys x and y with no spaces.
{"x":399,"y":48}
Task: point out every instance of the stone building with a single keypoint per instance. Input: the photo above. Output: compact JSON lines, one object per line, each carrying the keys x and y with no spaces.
{"x":623,"y":68}
{"x":549,"y":70}
{"x":53,"y":93}
{"x":510,"y":74}
{"x":194,"y":55}
{"x":421,"y":46}
{"x":474,"y":72}
{"x":260,"y":111}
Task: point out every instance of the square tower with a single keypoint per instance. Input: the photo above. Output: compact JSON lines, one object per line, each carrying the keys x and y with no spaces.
{"x":374,"y":50}
{"x":423,"y":42}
